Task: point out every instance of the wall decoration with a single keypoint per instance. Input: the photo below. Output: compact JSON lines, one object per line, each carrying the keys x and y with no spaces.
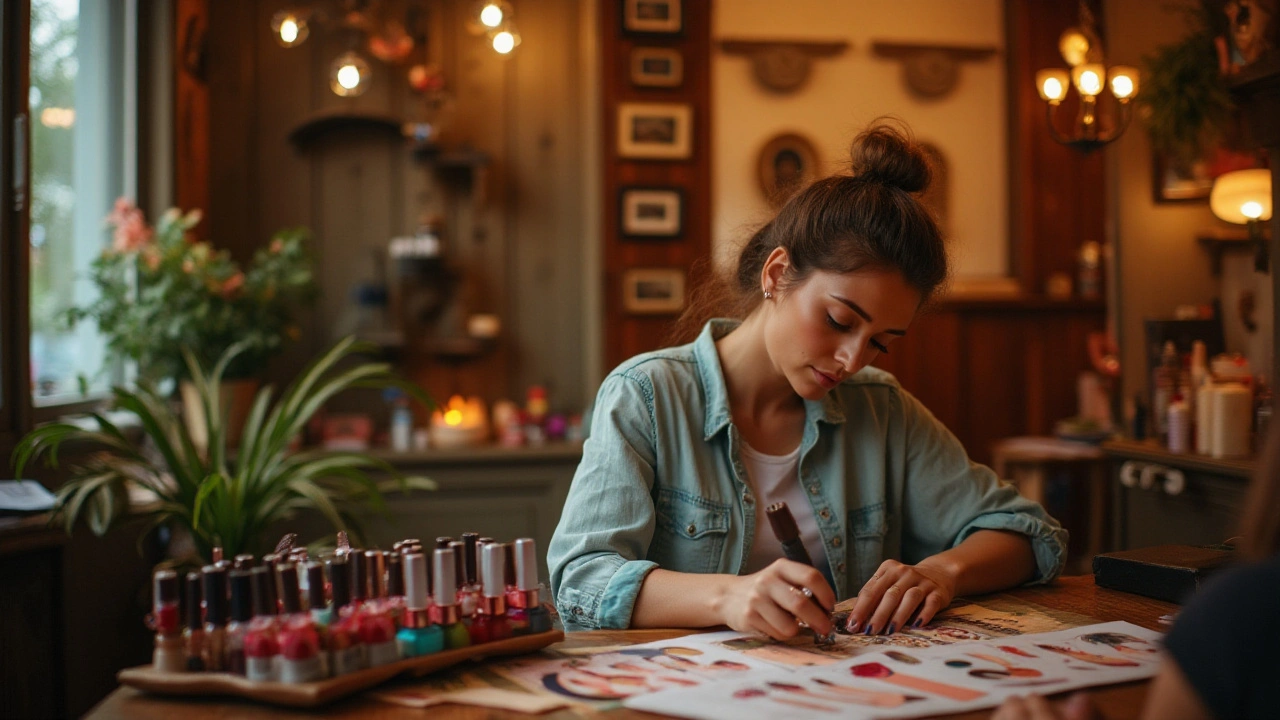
{"x":1170,"y":183}
{"x":656,"y":67}
{"x":783,"y":66}
{"x":661,"y":17}
{"x":931,"y":72}
{"x":653,"y":291}
{"x":651,"y":212}
{"x":660,"y":131}
{"x":787,"y":163}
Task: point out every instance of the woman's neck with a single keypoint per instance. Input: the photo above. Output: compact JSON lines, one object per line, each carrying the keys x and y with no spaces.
{"x":762,"y":402}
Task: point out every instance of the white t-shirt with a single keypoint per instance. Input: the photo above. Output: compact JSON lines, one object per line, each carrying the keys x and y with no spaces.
{"x":776,"y":478}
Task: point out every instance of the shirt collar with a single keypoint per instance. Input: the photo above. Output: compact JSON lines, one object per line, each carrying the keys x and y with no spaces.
{"x":829,"y":409}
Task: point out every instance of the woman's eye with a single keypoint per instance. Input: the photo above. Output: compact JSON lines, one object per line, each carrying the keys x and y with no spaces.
{"x":832,"y":322}
{"x":879,"y":346}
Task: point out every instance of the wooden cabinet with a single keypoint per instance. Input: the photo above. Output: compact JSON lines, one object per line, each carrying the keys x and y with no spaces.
{"x":1164,"y":498}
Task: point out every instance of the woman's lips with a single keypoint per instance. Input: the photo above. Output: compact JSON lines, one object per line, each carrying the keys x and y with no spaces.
{"x":824,"y":379}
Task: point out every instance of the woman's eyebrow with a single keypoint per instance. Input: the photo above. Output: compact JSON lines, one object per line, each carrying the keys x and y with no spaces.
{"x":863,"y":313}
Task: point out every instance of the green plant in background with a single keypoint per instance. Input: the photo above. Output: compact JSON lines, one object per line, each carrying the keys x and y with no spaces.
{"x":159,"y":291}
{"x":1186,"y":105}
{"x":223,"y":501}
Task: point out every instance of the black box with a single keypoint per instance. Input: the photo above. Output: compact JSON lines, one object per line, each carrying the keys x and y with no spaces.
{"x":1165,"y":572}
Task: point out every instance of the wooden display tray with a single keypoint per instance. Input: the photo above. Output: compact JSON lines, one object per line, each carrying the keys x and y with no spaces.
{"x":313,"y":694}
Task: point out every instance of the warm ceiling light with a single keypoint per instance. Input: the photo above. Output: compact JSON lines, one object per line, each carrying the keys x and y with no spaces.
{"x":506,"y":39}
{"x":290,"y":28}
{"x":1244,"y":196}
{"x":1052,"y":85}
{"x":491,"y":15}
{"x":1081,"y":49}
{"x":349,"y":75}
{"x":1074,"y":46}
{"x":1124,"y":82}
{"x":1088,"y":78}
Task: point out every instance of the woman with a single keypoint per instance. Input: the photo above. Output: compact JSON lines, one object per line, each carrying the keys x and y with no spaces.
{"x":664,"y":523}
{"x":1220,"y":657}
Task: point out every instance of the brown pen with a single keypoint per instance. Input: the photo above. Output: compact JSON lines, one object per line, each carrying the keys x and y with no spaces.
{"x":788,"y":533}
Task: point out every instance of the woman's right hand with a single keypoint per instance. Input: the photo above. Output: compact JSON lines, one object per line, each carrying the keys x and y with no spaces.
{"x":770,"y":602}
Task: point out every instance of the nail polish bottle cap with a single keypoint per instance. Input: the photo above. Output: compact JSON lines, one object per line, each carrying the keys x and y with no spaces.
{"x":459,"y":561}
{"x":443,"y":541}
{"x":195,"y":619}
{"x":494,"y":559}
{"x":165,"y":587}
{"x":269,"y":561}
{"x":396,"y":575}
{"x":289,"y":592}
{"x":243,"y":562}
{"x":340,"y":582}
{"x":526,"y":564}
{"x":215,"y":595}
{"x":241,"y":596}
{"x":415,"y":581}
{"x":260,"y":581}
{"x":469,"y":559}
{"x":446,"y":580}
{"x":315,"y":586}
{"x":377,"y":568}
{"x":508,"y":565}
{"x":359,"y":575}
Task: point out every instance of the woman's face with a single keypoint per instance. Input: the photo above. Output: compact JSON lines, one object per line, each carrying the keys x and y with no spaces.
{"x":832,"y":325}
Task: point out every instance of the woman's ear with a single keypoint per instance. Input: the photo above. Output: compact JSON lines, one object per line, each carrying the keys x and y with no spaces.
{"x":774,"y":270}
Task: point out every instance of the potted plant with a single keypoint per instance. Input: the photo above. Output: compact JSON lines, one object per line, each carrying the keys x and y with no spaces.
{"x":223,"y":500}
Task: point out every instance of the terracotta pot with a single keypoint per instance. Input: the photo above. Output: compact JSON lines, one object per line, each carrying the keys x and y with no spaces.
{"x":236,"y":400}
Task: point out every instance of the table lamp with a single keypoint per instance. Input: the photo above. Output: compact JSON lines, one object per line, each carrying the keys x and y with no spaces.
{"x":1244,"y":196}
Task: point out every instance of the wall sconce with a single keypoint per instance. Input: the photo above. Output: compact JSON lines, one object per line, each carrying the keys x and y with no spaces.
{"x":1244,"y":197}
{"x":1081,"y":48}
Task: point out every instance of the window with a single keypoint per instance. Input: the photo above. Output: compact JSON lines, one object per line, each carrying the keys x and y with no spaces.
{"x":83,"y":149}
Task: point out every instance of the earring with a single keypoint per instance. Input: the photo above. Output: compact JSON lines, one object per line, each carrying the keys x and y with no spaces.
{"x":767,"y":295}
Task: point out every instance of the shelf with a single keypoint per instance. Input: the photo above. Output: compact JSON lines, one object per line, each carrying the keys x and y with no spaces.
{"x":487,"y":454}
{"x":1219,"y":241}
{"x":321,"y":124}
{"x":1152,"y":451}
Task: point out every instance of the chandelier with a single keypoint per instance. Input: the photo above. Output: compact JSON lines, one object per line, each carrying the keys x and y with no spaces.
{"x":1081,"y":48}
{"x":371,"y":28}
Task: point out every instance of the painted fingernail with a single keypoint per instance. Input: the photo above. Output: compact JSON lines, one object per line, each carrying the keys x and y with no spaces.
{"x":868,"y":632}
{"x":915,"y":624}
{"x":852,"y":626}
{"x":889,"y":630}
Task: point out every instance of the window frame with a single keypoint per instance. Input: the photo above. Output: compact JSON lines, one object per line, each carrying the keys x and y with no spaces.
{"x":15,"y":173}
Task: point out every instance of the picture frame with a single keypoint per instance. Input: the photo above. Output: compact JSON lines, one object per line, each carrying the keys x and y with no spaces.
{"x":786,"y":163}
{"x":655,"y":131}
{"x":651,"y":212}
{"x":1171,"y":185}
{"x":652,"y":17}
{"x":653,"y":291}
{"x":656,"y":67}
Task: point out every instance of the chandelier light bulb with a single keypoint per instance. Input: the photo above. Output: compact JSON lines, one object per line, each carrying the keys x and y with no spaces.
{"x":1074,"y":46}
{"x":506,"y":39}
{"x":1052,"y":85}
{"x":491,"y":15}
{"x":349,"y":75}
{"x":1088,"y":79}
{"x":1124,"y":82}
{"x":290,"y":28}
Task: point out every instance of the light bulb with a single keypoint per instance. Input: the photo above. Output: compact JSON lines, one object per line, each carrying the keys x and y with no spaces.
{"x":503,"y":42}
{"x":491,"y":15}
{"x":290,"y":28}
{"x":349,"y":75}
{"x":1074,"y":46}
{"x":1251,"y":209}
{"x":1088,"y":79}
{"x":1052,"y":85}
{"x":1124,"y":82}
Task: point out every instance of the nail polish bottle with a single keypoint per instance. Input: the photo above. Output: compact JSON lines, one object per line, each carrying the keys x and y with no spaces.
{"x":444,"y":569}
{"x":261,"y":648}
{"x":241,"y":615}
{"x":491,"y":623}
{"x":395,"y":600}
{"x":242,"y":562}
{"x":269,"y":561}
{"x":194,"y":635}
{"x":527,"y":616}
{"x":468,"y":587}
{"x":168,"y":655}
{"x":418,"y":636}
{"x":346,"y":654}
{"x":359,"y":577}
{"x":299,"y":642}
{"x":377,"y":633}
{"x":443,"y":542}
{"x":215,"y":618}
{"x":215,"y":555}
{"x":509,"y":573}
{"x":318,"y":607}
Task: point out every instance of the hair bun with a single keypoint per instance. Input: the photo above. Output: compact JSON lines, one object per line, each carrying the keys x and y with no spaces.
{"x":887,"y":155}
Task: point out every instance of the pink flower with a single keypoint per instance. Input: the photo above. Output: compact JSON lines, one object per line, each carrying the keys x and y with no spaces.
{"x":276,"y":246}
{"x":151,"y":256}
{"x":132,"y":232}
{"x":232,"y":285}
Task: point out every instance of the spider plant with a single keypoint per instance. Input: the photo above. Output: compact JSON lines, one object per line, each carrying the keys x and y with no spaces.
{"x":221,"y":500}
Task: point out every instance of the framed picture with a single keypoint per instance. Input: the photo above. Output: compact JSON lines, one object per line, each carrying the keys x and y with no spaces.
{"x":1169,"y":184}
{"x":787,"y":163}
{"x":651,"y":212}
{"x":653,"y":291}
{"x":661,"y":17}
{"x":656,"y":67}
{"x":657,"y":131}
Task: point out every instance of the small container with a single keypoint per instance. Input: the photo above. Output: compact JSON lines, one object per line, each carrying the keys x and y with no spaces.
{"x":194,"y":635}
{"x":1233,"y":419}
{"x":1179,"y":426}
{"x":168,"y":655}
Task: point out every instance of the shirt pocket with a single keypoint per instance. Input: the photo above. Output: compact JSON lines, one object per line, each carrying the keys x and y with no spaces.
{"x":867,"y":526}
{"x":690,"y":532}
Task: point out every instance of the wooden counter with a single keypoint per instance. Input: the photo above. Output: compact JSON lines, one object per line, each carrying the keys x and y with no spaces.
{"x":1076,"y":594}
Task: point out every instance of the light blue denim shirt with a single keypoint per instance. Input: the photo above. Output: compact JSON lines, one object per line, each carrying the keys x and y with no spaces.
{"x":661,"y":484}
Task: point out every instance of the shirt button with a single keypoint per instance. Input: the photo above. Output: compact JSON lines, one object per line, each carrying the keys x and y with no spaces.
{"x":840,"y":567}
{"x":691,"y":529}
{"x":813,"y":489}
{"x":825,"y":514}
{"x":577,"y":611}
{"x":835,"y":541}
{"x":746,"y":498}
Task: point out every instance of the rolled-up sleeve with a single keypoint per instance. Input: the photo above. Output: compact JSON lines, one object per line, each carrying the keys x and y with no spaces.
{"x":596,"y":555}
{"x":948,"y":497}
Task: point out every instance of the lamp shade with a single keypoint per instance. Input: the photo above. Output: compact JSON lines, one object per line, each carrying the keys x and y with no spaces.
{"x":1242,"y":195}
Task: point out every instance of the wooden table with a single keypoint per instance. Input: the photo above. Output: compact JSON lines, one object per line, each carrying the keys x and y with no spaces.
{"x":1075,"y":594}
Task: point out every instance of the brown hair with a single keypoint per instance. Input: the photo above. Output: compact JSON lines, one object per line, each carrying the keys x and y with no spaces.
{"x":1260,"y":524}
{"x":867,"y":218}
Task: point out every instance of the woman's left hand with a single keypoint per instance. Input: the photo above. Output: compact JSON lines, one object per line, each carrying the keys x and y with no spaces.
{"x":896,"y":594}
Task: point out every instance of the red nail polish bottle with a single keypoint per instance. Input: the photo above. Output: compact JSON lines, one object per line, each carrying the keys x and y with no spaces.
{"x":491,"y":623}
{"x":215,"y":618}
{"x":261,"y":648}
{"x":168,"y":655}
{"x":194,"y":635}
{"x":241,"y":615}
{"x":299,"y":642}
